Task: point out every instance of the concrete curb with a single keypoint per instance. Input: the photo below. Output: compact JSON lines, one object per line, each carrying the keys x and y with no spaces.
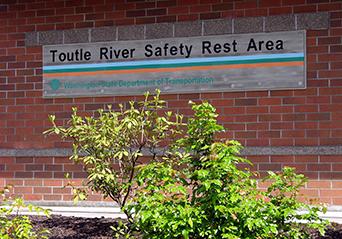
{"x":110,"y":210}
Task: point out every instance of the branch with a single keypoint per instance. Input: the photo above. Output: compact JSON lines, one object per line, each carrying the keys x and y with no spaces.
{"x":131,"y":176}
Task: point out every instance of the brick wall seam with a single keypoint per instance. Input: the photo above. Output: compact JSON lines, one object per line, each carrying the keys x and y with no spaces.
{"x":250,"y":150}
{"x":321,"y":23}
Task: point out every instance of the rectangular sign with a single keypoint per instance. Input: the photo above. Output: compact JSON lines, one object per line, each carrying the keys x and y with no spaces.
{"x":244,"y":62}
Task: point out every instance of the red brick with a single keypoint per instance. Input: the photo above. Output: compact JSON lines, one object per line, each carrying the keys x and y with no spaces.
{"x":282,"y":159}
{"x":331,"y":141}
{"x":318,"y":99}
{"x":269,"y":101}
{"x":188,"y":17}
{"x":282,"y":93}
{"x":268,"y":134}
{"x":136,"y":13}
{"x":178,"y":10}
{"x":25,"y":190}
{"x":145,"y":5}
{"x":336,"y":201}
{"x":304,"y":8}
{"x":318,"y":184}
{"x":258,"y":159}
{"x":337,"y":167}
{"x":245,"y":102}
{"x":245,"y":4}
{"x":234,"y":110}
{"x":294,"y":100}
{"x":331,"y":175}
{"x":24,"y":160}
{"x":319,"y":116}
{"x":293,"y":134}
{"x":306,"y":125}
{"x":15,"y":167}
{"x":222,"y":6}
{"x":317,"y":133}
{"x":167,"y":3}
{"x":233,"y":13}
{"x":42,"y":175}
{"x":211,"y":15}
{"x":309,"y":192}
{"x":257,"y":142}
{"x":42,"y":190}
{"x":256,"y":12}
{"x":160,"y":19}
{"x":333,"y":108}
{"x":330,"y":73}
{"x":306,"y":141}
{"x":156,"y":12}
{"x":281,"y":142}
{"x":296,"y":166}
{"x":306,"y":108}
{"x":32,"y":197}
{"x":200,"y":8}
{"x":267,"y":167}
{"x":34,"y":182}
{"x":77,"y":175}
{"x":293,"y":2}
{"x":53,"y":182}
{"x":281,"y":109}
{"x":257,"y":110}
{"x":329,"y":6}
{"x":245,"y":118}
{"x":61,"y":191}
{"x":73,"y":167}
{"x":270,"y":3}
{"x":329,"y":57}
{"x":319,"y":167}
{"x":336,"y":184}
{"x":53,"y":167}
{"x":54,"y":197}
{"x":257,"y":126}
{"x":331,"y":193}
{"x":337,"y":133}
{"x":269,"y":117}
{"x":223,"y":102}
{"x":63,"y":26}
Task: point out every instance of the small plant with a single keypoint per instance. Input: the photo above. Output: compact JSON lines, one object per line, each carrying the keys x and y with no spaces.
{"x":13,"y":225}
{"x":199,"y":192}
{"x":112,"y":145}
{"x":283,"y":207}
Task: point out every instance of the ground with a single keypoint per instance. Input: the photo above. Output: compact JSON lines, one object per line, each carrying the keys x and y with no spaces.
{"x":99,"y":228}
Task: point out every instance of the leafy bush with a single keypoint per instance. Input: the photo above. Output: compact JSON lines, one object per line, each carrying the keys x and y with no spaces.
{"x":112,"y":145}
{"x":194,"y":189}
{"x":13,"y":225}
{"x":203,"y":194}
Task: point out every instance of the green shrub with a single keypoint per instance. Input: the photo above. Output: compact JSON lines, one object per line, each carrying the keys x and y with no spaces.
{"x":112,"y":145}
{"x":199,"y":192}
{"x":194,"y":187}
{"x":13,"y":225}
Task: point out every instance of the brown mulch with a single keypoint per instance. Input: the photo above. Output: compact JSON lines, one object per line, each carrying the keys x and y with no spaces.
{"x":75,"y":227}
{"x":99,"y":228}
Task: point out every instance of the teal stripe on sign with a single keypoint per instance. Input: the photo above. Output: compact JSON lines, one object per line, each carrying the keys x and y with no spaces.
{"x":157,"y":66}
{"x":174,"y":61}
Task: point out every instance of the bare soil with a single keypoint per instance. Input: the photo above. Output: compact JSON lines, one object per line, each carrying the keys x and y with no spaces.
{"x":99,"y":228}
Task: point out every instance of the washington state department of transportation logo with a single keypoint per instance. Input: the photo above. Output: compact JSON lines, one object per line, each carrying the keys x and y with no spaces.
{"x":55,"y":84}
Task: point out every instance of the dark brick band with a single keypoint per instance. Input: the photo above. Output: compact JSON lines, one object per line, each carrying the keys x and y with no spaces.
{"x":182,"y":29}
{"x":283,"y":150}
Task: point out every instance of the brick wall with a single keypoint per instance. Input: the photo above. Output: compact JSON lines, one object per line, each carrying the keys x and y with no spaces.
{"x":302,"y":128}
